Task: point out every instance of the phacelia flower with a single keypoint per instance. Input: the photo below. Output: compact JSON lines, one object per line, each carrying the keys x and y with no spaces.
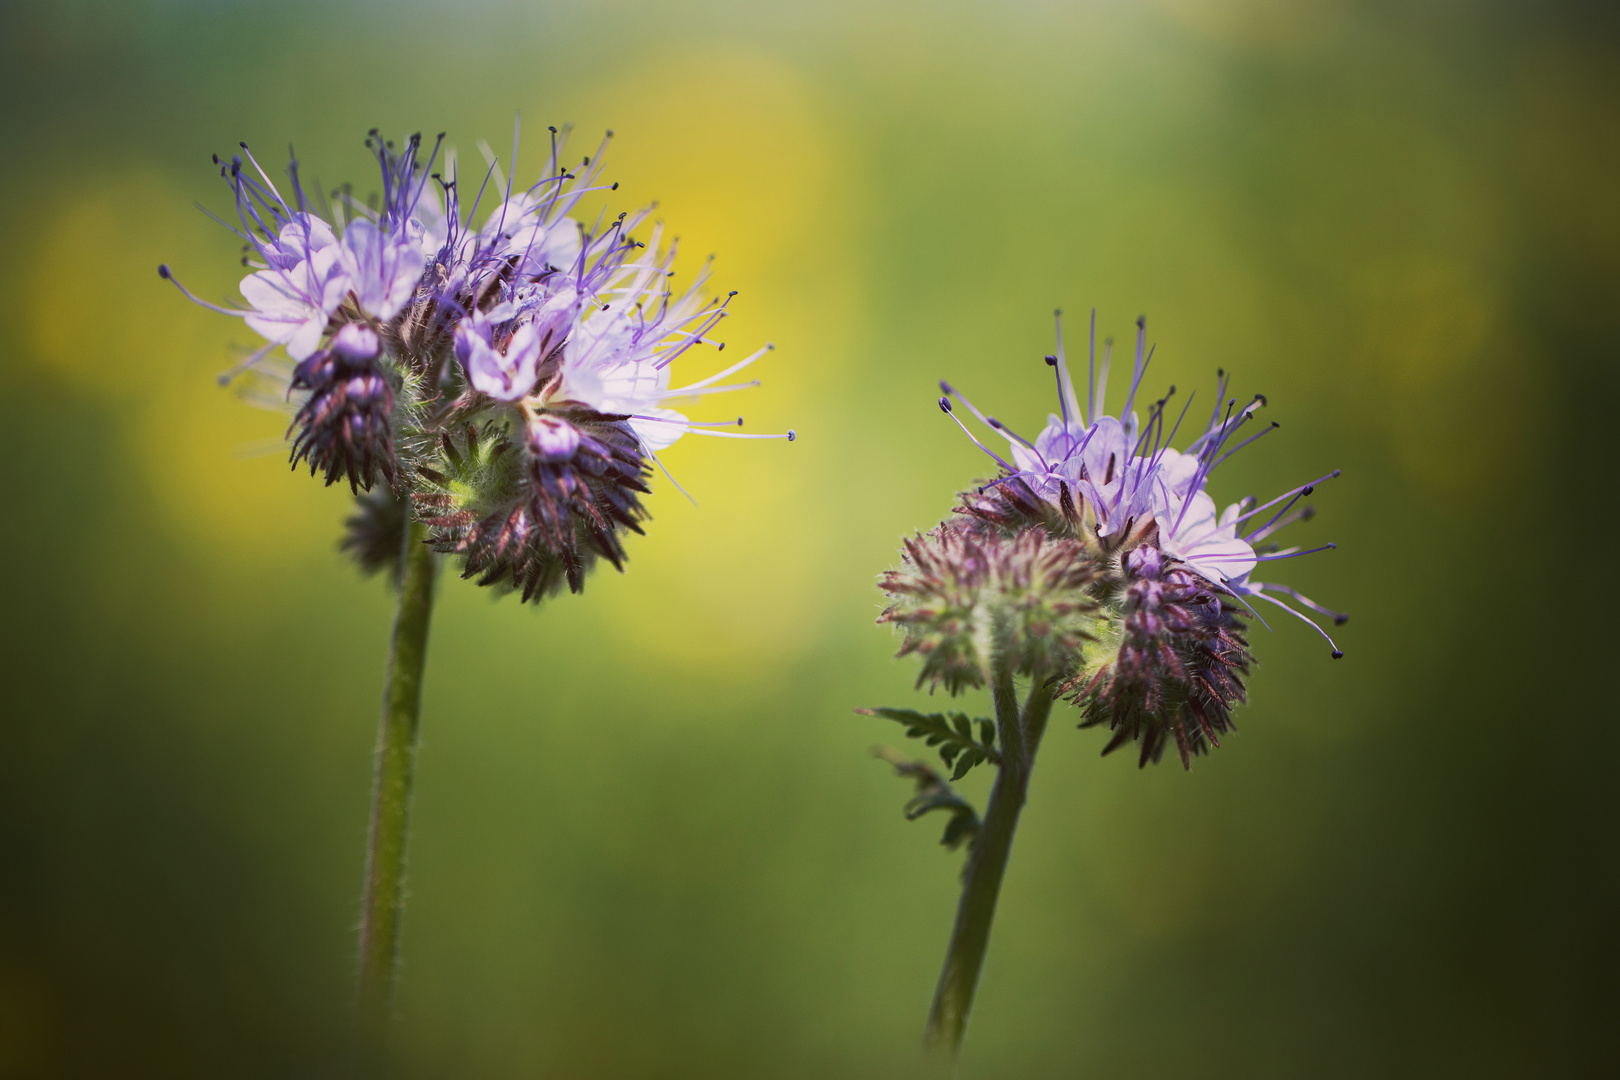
{"x":507,"y":374}
{"x":1175,"y":577}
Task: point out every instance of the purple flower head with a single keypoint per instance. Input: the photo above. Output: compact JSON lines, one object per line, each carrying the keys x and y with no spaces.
{"x":1175,"y":574}
{"x":418,"y":319}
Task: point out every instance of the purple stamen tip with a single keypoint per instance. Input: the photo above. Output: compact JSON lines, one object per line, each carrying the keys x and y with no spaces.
{"x":944,"y":386}
{"x":1340,"y":620}
{"x":945,"y":404}
{"x":792,"y":435}
{"x":163,"y":271}
{"x":1338,"y":654}
{"x":1051,"y":361}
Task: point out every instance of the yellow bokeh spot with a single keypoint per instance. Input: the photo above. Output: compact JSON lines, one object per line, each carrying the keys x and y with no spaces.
{"x":114,"y":235}
{"x":742,"y":161}
{"x":212,"y":463}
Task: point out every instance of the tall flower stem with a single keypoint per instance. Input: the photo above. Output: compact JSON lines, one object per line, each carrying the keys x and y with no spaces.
{"x":1020,"y":736}
{"x":384,"y":897}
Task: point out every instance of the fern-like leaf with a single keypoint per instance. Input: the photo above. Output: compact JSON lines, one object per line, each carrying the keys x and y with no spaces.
{"x":952,"y":733}
{"x":933,"y":793}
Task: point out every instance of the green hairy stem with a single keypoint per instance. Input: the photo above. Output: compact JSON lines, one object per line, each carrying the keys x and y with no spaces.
{"x":1019,"y":735}
{"x":384,"y":898}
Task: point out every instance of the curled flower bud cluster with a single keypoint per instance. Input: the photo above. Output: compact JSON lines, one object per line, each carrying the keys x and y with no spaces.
{"x":1173,"y":666}
{"x":503,"y":369}
{"x":1165,"y":581}
{"x":959,"y":598}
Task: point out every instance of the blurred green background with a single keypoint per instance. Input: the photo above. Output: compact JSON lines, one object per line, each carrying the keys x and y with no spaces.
{"x":648,"y":840}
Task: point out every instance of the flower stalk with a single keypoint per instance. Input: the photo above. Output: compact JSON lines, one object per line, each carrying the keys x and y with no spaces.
{"x":1020,"y":735}
{"x":1096,"y":565}
{"x":384,"y":897}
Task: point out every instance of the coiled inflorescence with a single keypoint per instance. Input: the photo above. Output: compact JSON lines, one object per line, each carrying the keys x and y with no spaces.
{"x":1176,"y":667}
{"x":345,"y":425}
{"x":963,"y":599}
{"x":528,"y":520}
{"x":506,"y":373}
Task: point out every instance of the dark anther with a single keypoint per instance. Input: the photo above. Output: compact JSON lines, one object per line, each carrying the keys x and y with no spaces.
{"x":1338,"y":654}
{"x":1141,"y":322}
{"x":242,"y":145}
{"x":551,"y":129}
{"x":1057,"y":311}
{"x":163,"y":271}
{"x":792,"y":435}
{"x":944,"y":386}
{"x":1308,"y":489}
{"x":1051,"y":361}
{"x":1340,"y":620}
{"x":216,"y":159}
{"x":945,"y":404}
{"x":615,"y":186}
{"x":1261,"y":398}
{"x":610,"y":133}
